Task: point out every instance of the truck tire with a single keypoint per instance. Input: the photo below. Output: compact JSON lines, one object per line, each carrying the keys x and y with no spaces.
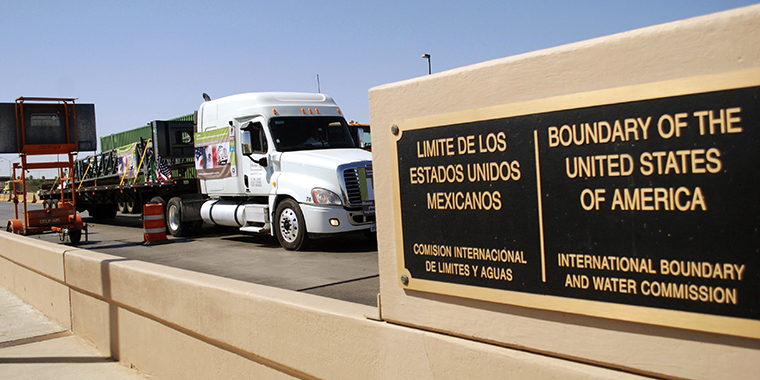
{"x":174,"y":223}
{"x":290,"y":226}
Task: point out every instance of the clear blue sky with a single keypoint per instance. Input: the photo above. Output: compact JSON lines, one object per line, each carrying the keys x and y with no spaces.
{"x":139,"y":61}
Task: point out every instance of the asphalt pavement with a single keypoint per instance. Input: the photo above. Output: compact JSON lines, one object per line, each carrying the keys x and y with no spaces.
{"x":344,"y":267}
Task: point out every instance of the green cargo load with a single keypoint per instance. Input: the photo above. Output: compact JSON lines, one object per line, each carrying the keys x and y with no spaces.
{"x":116,"y":140}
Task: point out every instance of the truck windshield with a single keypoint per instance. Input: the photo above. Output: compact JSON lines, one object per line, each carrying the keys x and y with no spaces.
{"x":305,"y":133}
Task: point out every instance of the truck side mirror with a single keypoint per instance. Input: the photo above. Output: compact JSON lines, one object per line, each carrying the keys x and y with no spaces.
{"x":360,"y":137}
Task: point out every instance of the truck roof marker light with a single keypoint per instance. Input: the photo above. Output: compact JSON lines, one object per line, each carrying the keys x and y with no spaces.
{"x":274,"y":111}
{"x":311,"y":112}
{"x":317,"y":109}
{"x":339,"y":113}
{"x":303,"y":111}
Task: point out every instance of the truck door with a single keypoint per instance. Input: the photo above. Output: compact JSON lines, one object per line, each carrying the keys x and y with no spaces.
{"x":258,"y":167}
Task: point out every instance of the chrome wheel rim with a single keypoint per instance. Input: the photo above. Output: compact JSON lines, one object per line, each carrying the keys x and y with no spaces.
{"x":174,"y":218}
{"x":289,"y":225}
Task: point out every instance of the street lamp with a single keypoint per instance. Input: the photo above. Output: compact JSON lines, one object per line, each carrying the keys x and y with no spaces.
{"x":427,"y":56}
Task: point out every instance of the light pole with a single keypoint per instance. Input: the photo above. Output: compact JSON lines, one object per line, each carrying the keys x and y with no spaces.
{"x":427,"y":56}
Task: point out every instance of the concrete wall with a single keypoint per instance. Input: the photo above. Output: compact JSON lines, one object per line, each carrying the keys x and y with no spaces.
{"x":174,"y":324}
{"x":703,"y":47}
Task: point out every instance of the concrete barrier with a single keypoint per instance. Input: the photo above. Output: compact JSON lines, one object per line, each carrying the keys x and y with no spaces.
{"x":649,"y":63}
{"x":33,"y":269}
{"x":175,"y":324}
{"x":31,"y":198}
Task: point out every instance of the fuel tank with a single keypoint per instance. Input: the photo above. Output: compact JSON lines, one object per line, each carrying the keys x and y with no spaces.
{"x":224,"y":212}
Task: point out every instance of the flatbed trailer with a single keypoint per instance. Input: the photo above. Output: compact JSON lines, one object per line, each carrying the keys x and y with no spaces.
{"x":104,"y":201}
{"x":102,"y":188}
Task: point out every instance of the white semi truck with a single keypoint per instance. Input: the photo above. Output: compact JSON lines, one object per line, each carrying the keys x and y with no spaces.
{"x":297,"y":173}
{"x":284,"y":164}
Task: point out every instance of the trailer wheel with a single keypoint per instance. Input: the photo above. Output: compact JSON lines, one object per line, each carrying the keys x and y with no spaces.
{"x":14,"y":226}
{"x":75,"y":235}
{"x":290,"y":226}
{"x":174,"y":222}
{"x":131,"y":208}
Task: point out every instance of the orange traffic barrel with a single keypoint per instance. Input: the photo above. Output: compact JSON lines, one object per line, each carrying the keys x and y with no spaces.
{"x":154,"y":227}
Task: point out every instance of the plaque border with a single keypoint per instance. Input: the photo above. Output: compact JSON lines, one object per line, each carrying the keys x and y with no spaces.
{"x":630,"y":313}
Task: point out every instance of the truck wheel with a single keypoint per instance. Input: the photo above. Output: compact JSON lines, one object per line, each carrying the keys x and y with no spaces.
{"x":174,"y":222}
{"x":290,"y":226}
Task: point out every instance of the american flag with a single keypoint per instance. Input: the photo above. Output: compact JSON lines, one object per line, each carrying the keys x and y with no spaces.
{"x":163,"y":173}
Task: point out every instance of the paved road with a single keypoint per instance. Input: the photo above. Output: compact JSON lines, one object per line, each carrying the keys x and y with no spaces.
{"x":343,"y":268}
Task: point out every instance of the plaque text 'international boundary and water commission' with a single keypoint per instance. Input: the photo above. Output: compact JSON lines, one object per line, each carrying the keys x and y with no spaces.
{"x":651,"y":203}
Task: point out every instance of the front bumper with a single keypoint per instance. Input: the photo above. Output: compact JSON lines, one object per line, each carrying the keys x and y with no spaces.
{"x":318,"y":220}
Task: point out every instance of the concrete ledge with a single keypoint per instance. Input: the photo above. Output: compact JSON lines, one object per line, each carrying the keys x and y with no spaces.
{"x":35,"y":254}
{"x":711,"y":45}
{"x":174,"y":324}
{"x":33,"y":270}
{"x":47,"y":295}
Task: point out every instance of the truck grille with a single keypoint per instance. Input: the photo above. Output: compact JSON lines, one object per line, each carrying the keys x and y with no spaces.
{"x":352,"y":192}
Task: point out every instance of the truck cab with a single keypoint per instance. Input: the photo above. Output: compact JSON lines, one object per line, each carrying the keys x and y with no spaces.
{"x":283,"y":164}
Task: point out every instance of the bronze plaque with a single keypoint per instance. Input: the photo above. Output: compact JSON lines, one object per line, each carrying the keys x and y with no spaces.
{"x":613,"y":201}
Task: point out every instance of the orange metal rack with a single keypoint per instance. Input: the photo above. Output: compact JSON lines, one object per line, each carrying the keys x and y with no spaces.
{"x":62,"y":216}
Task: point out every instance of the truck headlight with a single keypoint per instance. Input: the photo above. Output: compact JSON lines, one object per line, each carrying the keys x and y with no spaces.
{"x":325,"y":197}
